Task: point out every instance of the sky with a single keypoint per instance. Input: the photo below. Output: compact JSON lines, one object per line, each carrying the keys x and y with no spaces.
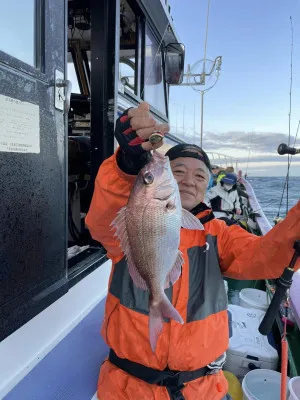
{"x":246,"y":114}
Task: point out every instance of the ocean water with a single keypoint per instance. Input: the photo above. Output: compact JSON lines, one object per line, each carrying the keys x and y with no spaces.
{"x":268,"y":191}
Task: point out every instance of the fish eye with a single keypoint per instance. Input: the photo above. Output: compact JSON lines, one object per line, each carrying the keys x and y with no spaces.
{"x":170,"y":205}
{"x":148,"y":178}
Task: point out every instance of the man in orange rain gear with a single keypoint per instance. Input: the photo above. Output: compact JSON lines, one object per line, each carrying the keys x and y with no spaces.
{"x":188,"y":360}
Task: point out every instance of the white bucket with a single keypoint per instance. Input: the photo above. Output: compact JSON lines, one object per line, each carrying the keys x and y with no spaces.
{"x":254,"y":298}
{"x":294,"y":388}
{"x":262,"y":384}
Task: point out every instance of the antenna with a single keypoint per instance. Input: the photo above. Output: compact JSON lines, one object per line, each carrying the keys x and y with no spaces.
{"x":201,"y":77}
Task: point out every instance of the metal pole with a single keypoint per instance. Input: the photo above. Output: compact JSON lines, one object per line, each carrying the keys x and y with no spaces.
{"x":202,"y":103}
{"x":194,"y":118}
{"x":183,"y":119}
{"x":206,"y":35}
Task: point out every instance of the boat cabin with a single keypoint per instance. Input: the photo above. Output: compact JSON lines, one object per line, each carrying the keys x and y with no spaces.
{"x":68,"y":69}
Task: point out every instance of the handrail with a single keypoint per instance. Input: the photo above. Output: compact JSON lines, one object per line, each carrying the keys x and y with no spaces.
{"x":228,"y":159}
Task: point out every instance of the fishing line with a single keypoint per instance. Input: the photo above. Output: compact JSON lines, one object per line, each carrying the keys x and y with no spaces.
{"x":290,"y":114}
{"x":286,"y":183}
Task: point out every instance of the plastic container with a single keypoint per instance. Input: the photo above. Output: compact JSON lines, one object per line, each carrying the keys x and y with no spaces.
{"x":295,"y":297}
{"x":254,"y":298}
{"x":234,"y":386}
{"x":248,"y":349}
{"x":294,"y":388}
{"x":262,"y":384}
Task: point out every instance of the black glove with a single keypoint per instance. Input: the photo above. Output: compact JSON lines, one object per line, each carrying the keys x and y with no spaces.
{"x":132,"y":156}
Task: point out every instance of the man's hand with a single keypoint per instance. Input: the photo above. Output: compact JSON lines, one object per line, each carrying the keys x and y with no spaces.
{"x":144,"y":125}
{"x":136,"y":127}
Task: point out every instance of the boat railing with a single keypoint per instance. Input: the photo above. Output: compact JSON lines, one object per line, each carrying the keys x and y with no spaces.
{"x":222,"y":160}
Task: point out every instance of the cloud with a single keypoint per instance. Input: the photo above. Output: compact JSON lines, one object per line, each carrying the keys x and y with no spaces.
{"x":260,"y":148}
{"x":258,"y":142}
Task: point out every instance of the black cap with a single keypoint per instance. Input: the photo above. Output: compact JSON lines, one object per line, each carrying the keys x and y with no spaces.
{"x":188,"y":150}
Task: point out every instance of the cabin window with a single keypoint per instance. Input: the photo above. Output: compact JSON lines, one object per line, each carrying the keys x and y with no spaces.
{"x":72,"y":75}
{"x":154,"y":85}
{"x":128,"y":48}
{"x":80,"y":187}
{"x":17,"y":29}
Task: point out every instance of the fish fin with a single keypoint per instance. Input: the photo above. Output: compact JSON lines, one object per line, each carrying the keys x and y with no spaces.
{"x":157,"y":313}
{"x":119,"y":224}
{"x":135,"y":275}
{"x":189,"y":221}
{"x":175,"y":271}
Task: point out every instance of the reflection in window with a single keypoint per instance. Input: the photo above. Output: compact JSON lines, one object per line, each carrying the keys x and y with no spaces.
{"x":127,"y":71}
{"x":127,"y":68}
{"x":17,"y":29}
{"x":154,"y":92}
{"x":89,"y":55}
{"x":72,"y":76}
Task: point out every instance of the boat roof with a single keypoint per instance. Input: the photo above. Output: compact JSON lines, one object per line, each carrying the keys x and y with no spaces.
{"x":156,"y":10}
{"x":159,"y":13}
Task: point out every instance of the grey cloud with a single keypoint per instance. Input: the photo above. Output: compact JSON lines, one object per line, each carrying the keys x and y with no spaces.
{"x":259,"y":142}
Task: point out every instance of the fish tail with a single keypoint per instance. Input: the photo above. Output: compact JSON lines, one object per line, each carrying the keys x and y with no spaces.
{"x":157,"y":312}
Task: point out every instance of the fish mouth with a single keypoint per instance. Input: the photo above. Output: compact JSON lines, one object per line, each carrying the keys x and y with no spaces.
{"x":159,"y":156}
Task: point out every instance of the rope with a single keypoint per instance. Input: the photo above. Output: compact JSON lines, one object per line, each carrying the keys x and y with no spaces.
{"x":284,"y":358}
{"x":284,"y":364}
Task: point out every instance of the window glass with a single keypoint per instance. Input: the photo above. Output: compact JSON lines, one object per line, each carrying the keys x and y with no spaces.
{"x":72,"y":76}
{"x":154,"y":92}
{"x":127,"y":66}
{"x":17,"y":29}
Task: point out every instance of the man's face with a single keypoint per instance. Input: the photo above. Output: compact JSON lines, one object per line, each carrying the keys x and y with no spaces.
{"x":192,"y":178}
{"x":215,"y":171}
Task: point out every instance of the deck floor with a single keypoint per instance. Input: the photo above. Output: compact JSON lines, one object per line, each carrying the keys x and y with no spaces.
{"x":70,"y":371}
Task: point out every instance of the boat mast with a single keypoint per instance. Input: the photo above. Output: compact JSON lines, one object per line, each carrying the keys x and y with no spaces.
{"x":203,"y":72}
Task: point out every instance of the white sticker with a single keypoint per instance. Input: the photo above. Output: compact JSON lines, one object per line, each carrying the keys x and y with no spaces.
{"x":19,"y":126}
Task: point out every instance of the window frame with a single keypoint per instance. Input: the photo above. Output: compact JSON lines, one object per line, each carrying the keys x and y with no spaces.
{"x":39,"y":70}
{"x":138,"y":16}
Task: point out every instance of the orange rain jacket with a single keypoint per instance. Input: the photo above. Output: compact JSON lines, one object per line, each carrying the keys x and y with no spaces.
{"x":198,"y":295}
